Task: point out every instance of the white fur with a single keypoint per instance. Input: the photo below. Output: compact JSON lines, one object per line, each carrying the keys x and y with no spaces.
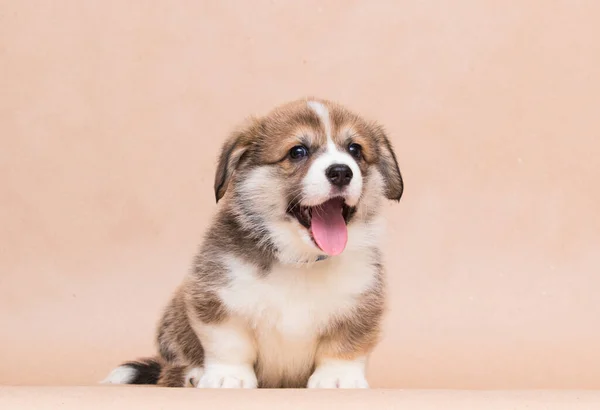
{"x":289,"y":308}
{"x":323,"y":113}
{"x":343,"y":374}
{"x":120,"y":375}
{"x":316,"y":186}
{"x":228,"y":376}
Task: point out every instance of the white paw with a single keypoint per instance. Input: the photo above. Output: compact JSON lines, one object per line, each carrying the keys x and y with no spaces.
{"x":193,"y":376}
{"x":228,"y":377}
{"x":337,"y":376}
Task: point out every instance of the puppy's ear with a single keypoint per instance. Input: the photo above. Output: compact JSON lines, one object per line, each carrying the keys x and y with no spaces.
{"x":232,"y":154}
{"x":388,"y":167}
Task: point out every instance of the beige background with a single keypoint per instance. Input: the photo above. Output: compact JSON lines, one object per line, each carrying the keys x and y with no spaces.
{"x":112,"y":112}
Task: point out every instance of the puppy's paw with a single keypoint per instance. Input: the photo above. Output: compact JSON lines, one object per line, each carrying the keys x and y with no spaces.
{"x":338,"y":376}
{"x":228,"y":377}
{"x":193,"y":376}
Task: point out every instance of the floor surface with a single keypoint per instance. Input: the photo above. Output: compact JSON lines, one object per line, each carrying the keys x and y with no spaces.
{"x":148,"y":398}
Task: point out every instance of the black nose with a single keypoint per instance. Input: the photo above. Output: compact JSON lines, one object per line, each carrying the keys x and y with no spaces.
{"x":339,"y":174}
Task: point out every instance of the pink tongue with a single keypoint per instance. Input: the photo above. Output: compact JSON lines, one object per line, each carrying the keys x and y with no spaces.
{"x":329,"y":228}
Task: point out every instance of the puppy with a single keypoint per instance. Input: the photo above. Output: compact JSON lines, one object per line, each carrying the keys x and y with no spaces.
{"x":287,"y":289}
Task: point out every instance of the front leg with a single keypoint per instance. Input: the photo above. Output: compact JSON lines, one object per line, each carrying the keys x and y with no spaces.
{"x":339,"y":374}
{"x":229,"y":355}
{"x":342,"y":352}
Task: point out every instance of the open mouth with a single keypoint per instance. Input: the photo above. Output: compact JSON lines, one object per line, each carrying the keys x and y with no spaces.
{"x":327,"y":223}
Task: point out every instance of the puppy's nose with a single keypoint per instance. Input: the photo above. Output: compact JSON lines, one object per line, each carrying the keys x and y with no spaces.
{"x":339,"y":174}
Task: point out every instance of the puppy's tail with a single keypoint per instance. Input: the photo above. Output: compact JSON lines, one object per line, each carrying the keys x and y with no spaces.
{"x":154,"y":371}
{"x":143,"y":371}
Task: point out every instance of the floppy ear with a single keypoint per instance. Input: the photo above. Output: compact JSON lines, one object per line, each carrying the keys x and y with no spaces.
{"x":232,"y":152}
{"x":388,"y":167}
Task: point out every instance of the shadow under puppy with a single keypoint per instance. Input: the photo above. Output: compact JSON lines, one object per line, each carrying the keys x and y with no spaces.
{"x":287,"y":289}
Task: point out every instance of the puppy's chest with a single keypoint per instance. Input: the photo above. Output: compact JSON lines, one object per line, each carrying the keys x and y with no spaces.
{"x":297,"y":301}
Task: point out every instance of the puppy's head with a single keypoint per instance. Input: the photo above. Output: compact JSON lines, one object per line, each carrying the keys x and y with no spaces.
{"x":305,"y":175}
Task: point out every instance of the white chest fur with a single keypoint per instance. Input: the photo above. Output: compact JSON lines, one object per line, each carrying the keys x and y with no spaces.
{"x":288,"y":308}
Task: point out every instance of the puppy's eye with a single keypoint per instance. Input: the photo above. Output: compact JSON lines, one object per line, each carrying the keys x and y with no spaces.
{"x":298,"y":152}
{"x":355,"y":150}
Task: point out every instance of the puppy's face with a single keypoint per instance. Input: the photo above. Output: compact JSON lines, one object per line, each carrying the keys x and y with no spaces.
{"x":305,"y":174}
